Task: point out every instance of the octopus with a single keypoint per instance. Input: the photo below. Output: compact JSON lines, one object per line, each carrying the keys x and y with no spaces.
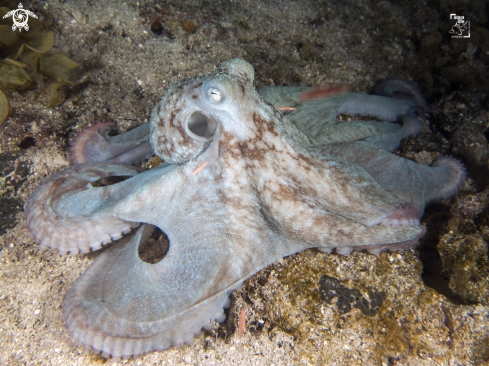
{"x":242,"y":185}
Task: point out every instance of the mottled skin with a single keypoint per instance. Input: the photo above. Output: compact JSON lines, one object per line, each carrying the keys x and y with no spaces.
{"x":249,"y":189}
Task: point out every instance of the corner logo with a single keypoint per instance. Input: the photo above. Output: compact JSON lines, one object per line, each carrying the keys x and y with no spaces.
{"x":461,"y":29}
{"x":20,"y":17}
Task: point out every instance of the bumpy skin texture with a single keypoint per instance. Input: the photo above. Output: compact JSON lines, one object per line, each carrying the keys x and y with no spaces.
{"x":249,"y":185}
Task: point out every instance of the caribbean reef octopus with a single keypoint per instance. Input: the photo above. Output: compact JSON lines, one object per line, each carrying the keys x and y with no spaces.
{"x":243,"y":185}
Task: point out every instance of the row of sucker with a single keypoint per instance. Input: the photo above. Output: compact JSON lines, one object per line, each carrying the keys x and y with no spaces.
{"x":54,"y":213}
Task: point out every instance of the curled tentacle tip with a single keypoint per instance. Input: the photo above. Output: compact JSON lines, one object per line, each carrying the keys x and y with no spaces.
{"x":459,"y":176}
{"x":83,"y":144}
{"x":400,"y":89}
{"x":95,"y":144}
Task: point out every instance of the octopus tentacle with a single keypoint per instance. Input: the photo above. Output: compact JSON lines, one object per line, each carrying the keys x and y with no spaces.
{"x":347,"y":131}
{"x":95,"y":144}
{"x":328,"y":231}
{"x":102,"y":308}
{"x":411,"y":125}
{"x":453,"y":172}
{"x":400,"y":89}
{"x":411,"y":182}
{"x":66,"y":212}
{"x":377,"y":106}
{"x":332,"y":130}
{"x":377,"y":249}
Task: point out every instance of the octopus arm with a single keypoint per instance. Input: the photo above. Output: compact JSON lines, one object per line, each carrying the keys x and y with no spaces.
{"x":411,"y":125}
{"x":384,"y":108}
{"x":182,"y":293}
{"x":326,"y":182}
{"x":385,"y":135}
{"x":96,"y":144}
{"x":123,"y":307}
{"x":69,"y":212}
{"x":413,"y":183}
{"x":319,"y":119}
{"x":400,"y":89}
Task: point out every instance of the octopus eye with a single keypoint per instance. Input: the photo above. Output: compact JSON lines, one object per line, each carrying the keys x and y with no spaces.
{"x":214,"y":95}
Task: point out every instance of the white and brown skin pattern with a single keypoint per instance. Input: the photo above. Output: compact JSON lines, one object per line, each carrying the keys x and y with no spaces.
{"x":249,"y":189}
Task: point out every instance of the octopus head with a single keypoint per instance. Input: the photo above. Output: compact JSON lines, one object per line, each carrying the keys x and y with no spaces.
{"x":193,"y":112}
